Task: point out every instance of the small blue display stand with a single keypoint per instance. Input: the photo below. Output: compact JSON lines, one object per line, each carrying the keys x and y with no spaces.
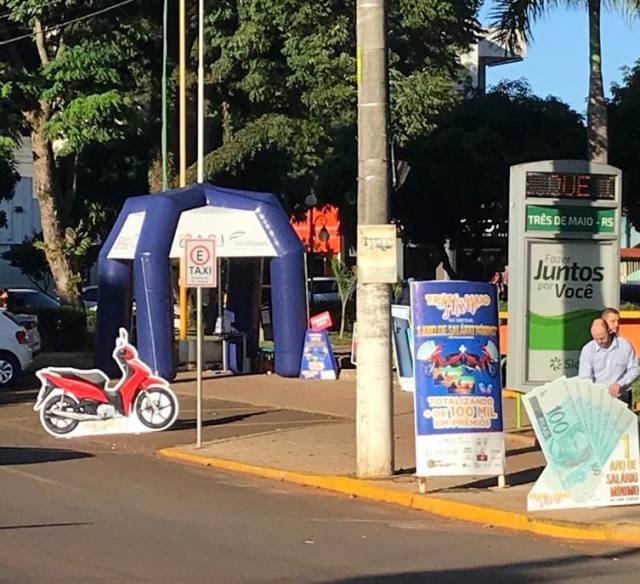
{"x":318,"y":360}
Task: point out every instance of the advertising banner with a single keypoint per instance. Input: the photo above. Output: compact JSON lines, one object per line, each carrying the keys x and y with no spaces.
{"x":318,"y":360}
{"x":458,"y":392}
{"x":566,"y":292}
{"x":590,"y":441}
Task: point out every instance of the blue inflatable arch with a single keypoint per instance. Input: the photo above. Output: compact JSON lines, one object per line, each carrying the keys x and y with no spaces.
{"x":135,"y":258}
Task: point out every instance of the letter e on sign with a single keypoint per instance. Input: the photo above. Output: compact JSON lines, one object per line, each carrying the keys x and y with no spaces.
{"x":200,"y":263}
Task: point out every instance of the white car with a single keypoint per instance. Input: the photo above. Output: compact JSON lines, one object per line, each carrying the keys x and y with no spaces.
{"x":30,"y":324}
{"x":15,"y":352}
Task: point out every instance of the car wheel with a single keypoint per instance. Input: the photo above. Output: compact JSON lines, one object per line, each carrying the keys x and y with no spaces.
{"x":9,"y":369}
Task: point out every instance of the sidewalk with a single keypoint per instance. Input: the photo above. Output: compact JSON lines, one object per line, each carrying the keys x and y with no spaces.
{"x":322,"y":454}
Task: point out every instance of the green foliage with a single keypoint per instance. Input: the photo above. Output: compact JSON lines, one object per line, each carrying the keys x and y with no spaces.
{"x":9,"y":141}
{"x":625,"y":139}
{"x":459,"y":180}
{"x":29,"y":258}
{"x":79,"y":246}
{"x":514,"y":20}
{"x":63,"y":329}
{"x":92,"y":316}
{"x":346,"y":279}
{"x":89,"y":83}
{"x":282,"y":88}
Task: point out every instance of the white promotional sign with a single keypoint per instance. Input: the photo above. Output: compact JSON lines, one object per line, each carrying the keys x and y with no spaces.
{"x":124,"y":247}
{"x":590,"y":441}
{"x":563,"y":267}
{"x":377,"y":254}
{"x":566,"y":288}
{"x":238,"y":233}
{"x":201,"y":269}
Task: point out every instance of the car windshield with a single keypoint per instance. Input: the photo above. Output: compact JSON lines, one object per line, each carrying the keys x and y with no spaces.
{"x":32,"y":299}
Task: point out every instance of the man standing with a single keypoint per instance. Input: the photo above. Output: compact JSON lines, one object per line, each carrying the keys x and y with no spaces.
{"x":612,"y":317}
{"x":610,"y":360}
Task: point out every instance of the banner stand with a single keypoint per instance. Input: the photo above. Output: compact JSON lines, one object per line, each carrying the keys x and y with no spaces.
{"x":458,"y":387}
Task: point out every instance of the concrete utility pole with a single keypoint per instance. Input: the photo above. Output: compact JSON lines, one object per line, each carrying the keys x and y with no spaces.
{"x":374,"y":413}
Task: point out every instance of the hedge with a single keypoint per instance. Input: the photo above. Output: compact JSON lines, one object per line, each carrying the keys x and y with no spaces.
{"x":63,"y":329}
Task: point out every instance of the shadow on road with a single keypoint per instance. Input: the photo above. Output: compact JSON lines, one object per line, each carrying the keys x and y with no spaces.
{"x":575,"y":568}
{"x":522,"y":477}
{"x":10,"y":455}
{"x":44,"y":525}
{"x":17,"y":396}
{"x":190,"y":423}
{"x":522,"y":450}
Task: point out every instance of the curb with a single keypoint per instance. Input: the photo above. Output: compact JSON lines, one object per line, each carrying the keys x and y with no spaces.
{"x":488,"y":516}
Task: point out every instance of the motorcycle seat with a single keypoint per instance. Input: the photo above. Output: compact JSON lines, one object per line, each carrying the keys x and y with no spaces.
{"x":93,"y":376}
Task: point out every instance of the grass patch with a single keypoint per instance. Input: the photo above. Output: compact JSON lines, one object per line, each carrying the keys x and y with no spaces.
{"x":636,"y":390}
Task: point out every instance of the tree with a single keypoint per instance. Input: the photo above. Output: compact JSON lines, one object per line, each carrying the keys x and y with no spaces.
{"x":78,"y":72}
{"x":346,"y":279}
{"x":514,"y":19}
{"x":31,"y":261}
{"x":625,"y":139}
{"x":282,"y":94}
{"x":9,"y":141}
{"x":459,"y":181}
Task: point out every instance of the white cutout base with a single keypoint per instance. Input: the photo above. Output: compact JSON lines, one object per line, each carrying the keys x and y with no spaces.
{"x":119,"y":425}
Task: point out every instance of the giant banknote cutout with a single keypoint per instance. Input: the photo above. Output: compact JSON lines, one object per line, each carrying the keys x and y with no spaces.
{"x":590,"y":441}
{"x":80,"y":402}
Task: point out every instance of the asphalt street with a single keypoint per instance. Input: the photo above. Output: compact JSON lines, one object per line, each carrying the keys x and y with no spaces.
{"x":108,"y":510}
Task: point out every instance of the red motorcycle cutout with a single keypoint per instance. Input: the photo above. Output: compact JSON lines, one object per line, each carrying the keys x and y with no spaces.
{"x":69,"y":396}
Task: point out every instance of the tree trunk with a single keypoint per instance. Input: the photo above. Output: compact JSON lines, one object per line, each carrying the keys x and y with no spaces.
{"x":52,"y":227}
{"x":343,"y":316}
{"x":598,"y":141}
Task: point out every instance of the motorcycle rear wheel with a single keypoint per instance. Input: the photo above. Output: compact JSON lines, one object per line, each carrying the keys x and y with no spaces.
{"x":54,"y":424}
{"x":156,"y":408}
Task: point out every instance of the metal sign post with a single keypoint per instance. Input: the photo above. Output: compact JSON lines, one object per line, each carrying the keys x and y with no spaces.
{"x":200,"y":272}
{"x":564,"y":256}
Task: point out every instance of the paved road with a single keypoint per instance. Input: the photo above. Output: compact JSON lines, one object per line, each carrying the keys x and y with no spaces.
{"x":104,"y":511}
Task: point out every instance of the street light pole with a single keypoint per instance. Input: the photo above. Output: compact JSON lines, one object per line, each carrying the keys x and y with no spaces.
{"x":374,"y":406}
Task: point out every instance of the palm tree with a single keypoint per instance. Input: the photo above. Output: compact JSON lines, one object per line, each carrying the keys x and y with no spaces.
{"x":514,"y":18}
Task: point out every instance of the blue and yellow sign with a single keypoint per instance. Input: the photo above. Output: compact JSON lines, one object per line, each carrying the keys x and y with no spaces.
{"x":458,"y":403}
{"x":318,"y":360}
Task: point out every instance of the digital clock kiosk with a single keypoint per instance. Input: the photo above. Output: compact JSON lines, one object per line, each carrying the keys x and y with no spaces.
{"x":564,"y":256}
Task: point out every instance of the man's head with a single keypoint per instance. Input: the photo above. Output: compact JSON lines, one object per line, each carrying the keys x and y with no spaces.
{"x":612,"y":317}
{"x":4,"y":297}
{"x":600,"y":333}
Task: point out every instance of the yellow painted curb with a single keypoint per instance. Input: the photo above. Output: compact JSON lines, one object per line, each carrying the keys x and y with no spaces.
{"x":612,"y":532}
{"x":510,"y":393}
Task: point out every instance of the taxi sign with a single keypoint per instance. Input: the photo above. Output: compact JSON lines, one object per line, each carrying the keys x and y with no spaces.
{"x":200,"y":256}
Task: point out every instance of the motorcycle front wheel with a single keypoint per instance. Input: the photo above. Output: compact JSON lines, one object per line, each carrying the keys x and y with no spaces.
{"x":52,"y":420}
{"x":156,"y":408}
